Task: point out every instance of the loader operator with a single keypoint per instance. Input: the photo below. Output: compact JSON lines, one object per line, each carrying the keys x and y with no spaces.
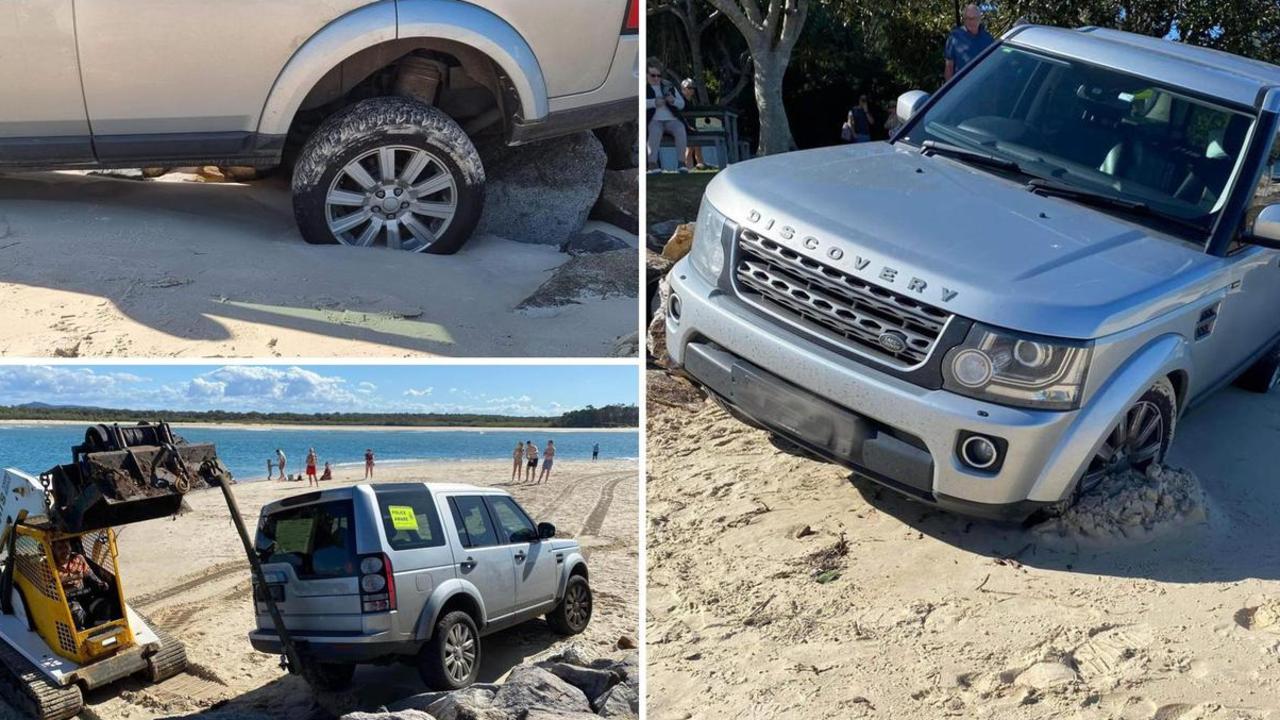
{"x":75,"y":573}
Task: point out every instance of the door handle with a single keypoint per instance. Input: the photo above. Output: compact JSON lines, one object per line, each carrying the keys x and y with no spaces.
{"x":520,"y":556}
{"x":467,"y":564}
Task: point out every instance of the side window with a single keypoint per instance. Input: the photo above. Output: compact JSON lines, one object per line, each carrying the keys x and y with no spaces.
{"x":409,"y":517}
{"x":475,"y":529}
{"x":515,"y":524}
{"x":1267,"y":191}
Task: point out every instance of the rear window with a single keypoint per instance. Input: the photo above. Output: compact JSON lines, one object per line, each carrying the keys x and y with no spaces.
{"x":318,"y":540}
{"x":409,"y":517}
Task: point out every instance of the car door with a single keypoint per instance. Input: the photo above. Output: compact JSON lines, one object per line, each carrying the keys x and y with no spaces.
{"x":483,"y":560}
{"x":1249,"y":313}
{"x":42,"y":114}
{"x":187,"y":78}
{"x":535,"y":563}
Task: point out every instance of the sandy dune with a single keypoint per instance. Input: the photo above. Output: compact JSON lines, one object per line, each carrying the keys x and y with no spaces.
{"x":885,"y":608}
{"x":199,"y":592}
{"x":99,"y":266}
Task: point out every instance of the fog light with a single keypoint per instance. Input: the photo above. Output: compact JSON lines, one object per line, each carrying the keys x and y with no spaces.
{"x":673,"y":307}
{"x":979,"y":452}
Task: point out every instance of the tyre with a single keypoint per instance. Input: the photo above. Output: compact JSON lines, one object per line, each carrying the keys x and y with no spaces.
{"x":621,"y":145}
{"x":451,"y":658}
{"x":333,"y":676}
{"x":1263,"y":374}
{"x":389,"y":172}
{"x":1139,"y":439}
{"x":573,"y":613}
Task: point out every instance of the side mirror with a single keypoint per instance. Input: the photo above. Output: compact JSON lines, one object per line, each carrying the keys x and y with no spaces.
{"x":546,"y":531}
{"x":909,"y":103}
{"x":1265,"y":230}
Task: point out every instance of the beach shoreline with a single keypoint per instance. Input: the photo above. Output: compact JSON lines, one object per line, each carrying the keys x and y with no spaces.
{"x":353,"y":428}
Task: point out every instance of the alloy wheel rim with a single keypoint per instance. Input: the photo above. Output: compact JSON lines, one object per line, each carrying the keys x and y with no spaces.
{"x":398,"y":196}
{"x":578,"y":606}
{"x":459,"y":653}
{"x":1135,"y":442}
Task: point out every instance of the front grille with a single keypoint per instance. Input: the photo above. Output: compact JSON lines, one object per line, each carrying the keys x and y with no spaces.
{"x":833,"y":302}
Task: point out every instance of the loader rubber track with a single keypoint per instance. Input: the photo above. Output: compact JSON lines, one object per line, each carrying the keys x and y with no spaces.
{"x":169,"y":660}
{"x":26,"y":688}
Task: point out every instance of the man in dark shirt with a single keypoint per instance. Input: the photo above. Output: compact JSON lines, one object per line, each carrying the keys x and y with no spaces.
{"x":966,"y":42}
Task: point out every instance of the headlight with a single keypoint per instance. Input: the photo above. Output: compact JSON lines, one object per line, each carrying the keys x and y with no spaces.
{"x":707,"y":255}
{"x":1020,"y":370}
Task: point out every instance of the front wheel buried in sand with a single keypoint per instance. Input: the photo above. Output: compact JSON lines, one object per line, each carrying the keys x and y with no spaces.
{"x":389,"y":172}
{"x":1140,"y":438}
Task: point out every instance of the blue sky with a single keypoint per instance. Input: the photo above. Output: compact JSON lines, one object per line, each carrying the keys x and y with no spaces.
{"x":496,"y":389}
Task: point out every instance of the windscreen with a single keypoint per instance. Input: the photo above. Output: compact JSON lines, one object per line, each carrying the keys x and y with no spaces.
{"x":317,"y":540}
{"x":1095,"y":128}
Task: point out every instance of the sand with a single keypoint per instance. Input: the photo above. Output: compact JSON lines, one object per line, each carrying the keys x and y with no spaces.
{"x":94,"y":266}
{"x":202,"y":596}
{"x":778,"y":588}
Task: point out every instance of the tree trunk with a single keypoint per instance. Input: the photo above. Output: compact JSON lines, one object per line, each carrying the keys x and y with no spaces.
{"x":775,"y":130}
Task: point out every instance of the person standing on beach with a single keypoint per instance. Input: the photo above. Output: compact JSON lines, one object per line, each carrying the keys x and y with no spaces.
{"x":595,"y":452}
{"x":311,"y":468}
{"x":271,"y":468}
{"x":368,"y":463}
{"x":280,"y":463}
{"x":517,"y":456}
{"x":548,"y":457}
{"x":531,"y":458}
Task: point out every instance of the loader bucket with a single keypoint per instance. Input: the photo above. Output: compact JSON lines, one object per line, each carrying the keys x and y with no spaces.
{"x":123,"y":475}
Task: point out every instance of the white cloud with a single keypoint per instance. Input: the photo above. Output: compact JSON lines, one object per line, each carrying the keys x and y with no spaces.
{"x":424,"y":392}
{"x":366,"y":388}
{"x":271,"y":388}
{"x":63,"y":385}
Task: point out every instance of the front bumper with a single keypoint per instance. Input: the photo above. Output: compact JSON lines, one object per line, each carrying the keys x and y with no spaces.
{"x":896,"y":433}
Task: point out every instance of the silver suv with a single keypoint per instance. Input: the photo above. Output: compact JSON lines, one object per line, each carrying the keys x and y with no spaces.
{"x":411,"y":572}
{"x":377,"y":106}
{"x":1057,"y":254}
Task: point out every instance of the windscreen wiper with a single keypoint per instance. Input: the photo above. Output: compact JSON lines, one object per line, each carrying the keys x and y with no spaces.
{"x":974,"y":156}
{"x":1045,"y":186}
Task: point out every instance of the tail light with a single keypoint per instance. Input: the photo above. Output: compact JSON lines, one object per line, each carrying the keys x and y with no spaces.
{"x":632,"y":25}
{"x":377,"y":584}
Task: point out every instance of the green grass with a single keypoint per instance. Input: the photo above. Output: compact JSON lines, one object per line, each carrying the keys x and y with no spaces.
{"x":673,"y":196}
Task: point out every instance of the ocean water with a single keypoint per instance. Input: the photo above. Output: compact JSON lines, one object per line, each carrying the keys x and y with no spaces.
{"x":36,"y":448}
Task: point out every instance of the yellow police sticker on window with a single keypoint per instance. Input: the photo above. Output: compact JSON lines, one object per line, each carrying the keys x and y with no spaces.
{"x":403,"y":517}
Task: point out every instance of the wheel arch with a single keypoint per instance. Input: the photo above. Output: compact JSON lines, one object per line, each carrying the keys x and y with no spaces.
{"x":1162,"y":358}
{"x":376,"y":37}
{"x":450,"y":595}
{"x":576,"y":565}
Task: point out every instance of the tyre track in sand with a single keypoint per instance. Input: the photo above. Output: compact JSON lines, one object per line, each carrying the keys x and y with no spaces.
{"x":213,"y":574}
{"x":596,"y":519}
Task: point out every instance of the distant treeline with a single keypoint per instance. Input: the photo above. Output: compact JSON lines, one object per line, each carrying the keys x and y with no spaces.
{"x":588,"y":417}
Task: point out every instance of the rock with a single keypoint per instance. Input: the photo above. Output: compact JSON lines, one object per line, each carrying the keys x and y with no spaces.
{"x":240,"y":173}
{"x":460,"y":705}
{"x":626,"y":642}
{"x":595,"y":241}
{"x":619,"y":701}
{"x":680,"y":242}
{"x":574,"y":653}
{"x":1044,"y":675}
{"x":399,"y":715}
{"x":656,"y":335}
{"x":542,"y":192}
{"x":592,"y":682}
{"x":211,"y":173}
{"x":530,"y":687}
{"x":627,"y":346}
{"x":665,"y":229}
{"x":544,"y":715}
{"x":123,"y":173}
{"x":154,"y":172}
{"x":595,"y":276}
{"x":627,"y":667}
{"x":655,"y":264}
{"x":802,"y":531}
{"x":619,"y":202}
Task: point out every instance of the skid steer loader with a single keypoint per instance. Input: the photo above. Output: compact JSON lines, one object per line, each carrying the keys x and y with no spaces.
{"x":65,"y":626}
